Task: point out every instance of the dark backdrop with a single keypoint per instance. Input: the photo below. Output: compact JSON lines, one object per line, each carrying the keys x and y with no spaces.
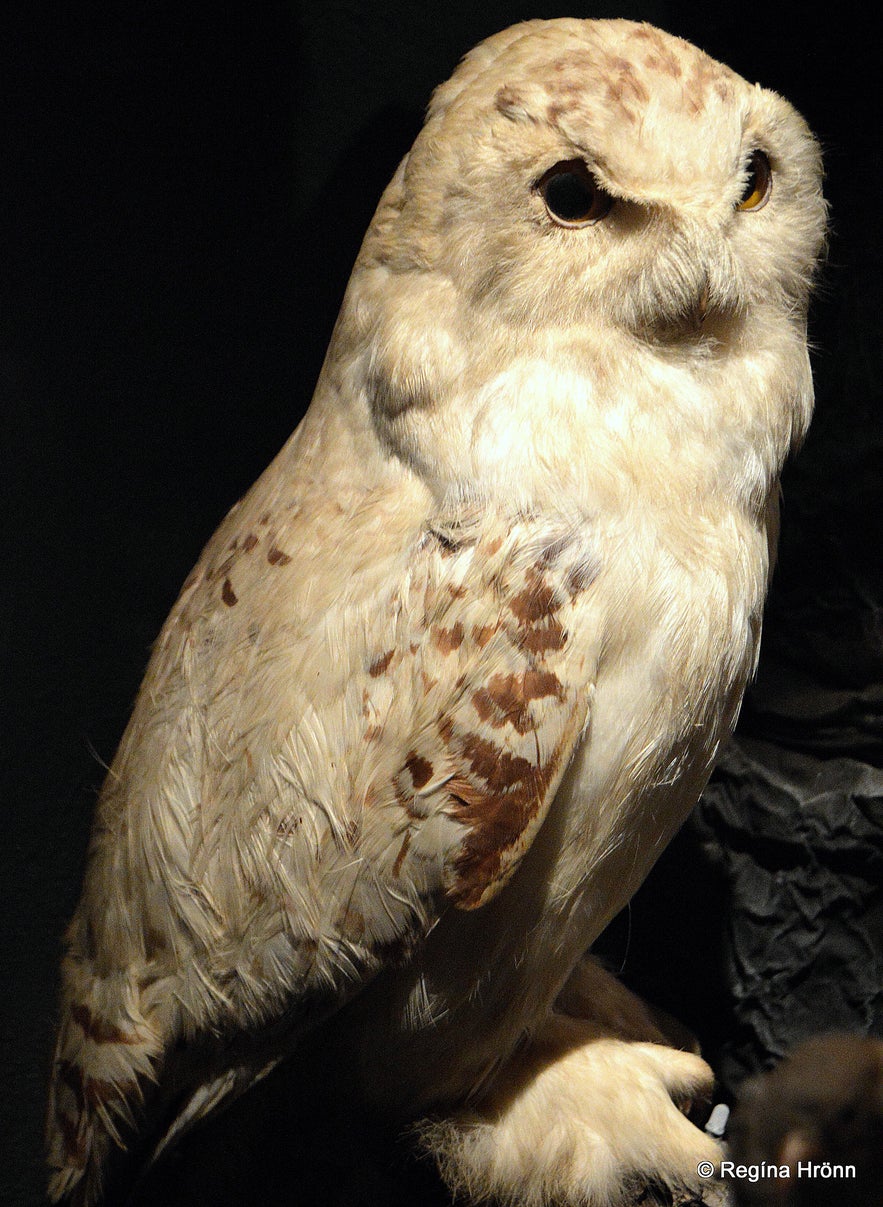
{"x":184,"y":188}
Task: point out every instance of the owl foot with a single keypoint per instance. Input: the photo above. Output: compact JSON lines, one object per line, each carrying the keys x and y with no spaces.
{"x":583,"y":1120}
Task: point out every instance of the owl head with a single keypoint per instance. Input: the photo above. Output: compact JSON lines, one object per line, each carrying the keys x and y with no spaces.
{"x":598,"y":195}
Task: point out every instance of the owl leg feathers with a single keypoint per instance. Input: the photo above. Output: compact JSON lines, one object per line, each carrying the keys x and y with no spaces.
{"x":583,"y":1116}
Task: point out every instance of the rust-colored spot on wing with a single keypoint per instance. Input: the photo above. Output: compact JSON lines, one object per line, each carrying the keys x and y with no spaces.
{"x":448,"y":640}
{"x":495,"y":820}
{"x":380,"y":665}
{"x":543,"y":639}
{"x":97,"y":1029}
{"x":536,"y":602}
{"x":500,"y":770}
{"x":506,"y":699}
{"x":400,"y":858}
{"x":228,"y":594}
{"x":420,"y":769}
{"x":276,"y":557}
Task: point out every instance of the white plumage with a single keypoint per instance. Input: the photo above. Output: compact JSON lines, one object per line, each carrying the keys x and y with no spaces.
{"x":452,"y":673}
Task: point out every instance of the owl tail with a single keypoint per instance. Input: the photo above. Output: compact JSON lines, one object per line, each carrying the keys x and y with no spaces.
{"x":106,"y":1061}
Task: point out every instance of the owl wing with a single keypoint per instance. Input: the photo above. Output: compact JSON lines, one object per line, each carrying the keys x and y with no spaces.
{"x":500,"y":689}
{"x":296,"y":802}
{"x":393,"y":756}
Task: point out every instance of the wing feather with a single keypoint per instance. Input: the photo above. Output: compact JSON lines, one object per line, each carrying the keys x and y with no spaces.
{"x":501,"y":698}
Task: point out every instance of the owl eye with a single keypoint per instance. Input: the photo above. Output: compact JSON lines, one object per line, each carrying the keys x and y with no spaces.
{"x":572,"y":195}
{"x":758,"y":183}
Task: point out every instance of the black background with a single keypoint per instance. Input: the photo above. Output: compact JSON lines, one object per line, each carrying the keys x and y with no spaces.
{"x":184,"y":189}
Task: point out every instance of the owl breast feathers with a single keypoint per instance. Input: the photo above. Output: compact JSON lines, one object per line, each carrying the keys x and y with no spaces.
{"x":451,"y":674}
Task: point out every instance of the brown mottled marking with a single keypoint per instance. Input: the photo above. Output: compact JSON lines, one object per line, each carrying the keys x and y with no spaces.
{"x":97,"y":1029}
{"x":494,"y":827}
{"x":506,"y":698}
{"x":448,"y":640}
{"x":581,"y":62}
{"x":539,"y":684}
{"x":456,"y":591}
{"x":509,"y":102}
{"x":625,"y":84}
{"x":381,"y":664}
{"x":407,"y":799}
{"x":499,"y":769}
{"x":542,"y":639}
{"x":555,"y":111}
{"x":228,"y":594}
{"x":572,"y":88}
{"x":352,"y":832}
{"x":420,"y":769}
{"x":428,"y":682}
{"x":581,"y":576}
{"x":403,"y":850}
{"x":661,"y":58}
{"x":373,"y":732}
{"x":276,"y":557}
{"x":249,"y":543}
{"x":224,"y":567}
{"x":535,"y":602}
{"x":481,"y":634}
{"x":665,"y":63}
{"x":704,"y":76}
{"x":265,"y":518}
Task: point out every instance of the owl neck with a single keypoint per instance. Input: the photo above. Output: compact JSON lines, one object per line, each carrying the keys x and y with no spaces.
{"x":585,"y":419}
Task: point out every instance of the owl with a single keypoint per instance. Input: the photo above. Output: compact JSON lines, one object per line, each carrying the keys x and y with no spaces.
{"x":449,"y":677}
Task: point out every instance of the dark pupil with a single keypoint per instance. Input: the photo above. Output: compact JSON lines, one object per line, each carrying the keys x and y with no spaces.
{"x":569,"y":196}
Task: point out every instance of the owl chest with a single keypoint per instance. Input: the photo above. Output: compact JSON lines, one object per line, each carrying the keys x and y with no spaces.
{"x":680,"y":642}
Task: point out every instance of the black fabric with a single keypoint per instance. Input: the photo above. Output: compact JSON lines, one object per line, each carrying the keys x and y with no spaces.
{"x":799,"y":841}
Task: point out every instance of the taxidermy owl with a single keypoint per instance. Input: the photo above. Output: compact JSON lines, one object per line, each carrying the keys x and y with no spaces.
{"x":449,"y":677}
